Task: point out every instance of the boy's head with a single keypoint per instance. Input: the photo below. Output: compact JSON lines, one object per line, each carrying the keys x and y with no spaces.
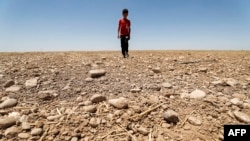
{"x":125,"y":13}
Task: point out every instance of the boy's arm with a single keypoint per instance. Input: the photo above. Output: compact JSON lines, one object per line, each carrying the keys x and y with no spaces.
{"x":118,"y":30}
{"x":129,"y":30}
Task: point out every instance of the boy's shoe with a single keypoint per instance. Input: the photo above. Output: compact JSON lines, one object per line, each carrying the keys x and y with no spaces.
{"x":127,"y":55}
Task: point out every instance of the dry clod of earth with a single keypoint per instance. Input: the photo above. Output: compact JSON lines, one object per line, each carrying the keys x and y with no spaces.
{"x":100,"y":96}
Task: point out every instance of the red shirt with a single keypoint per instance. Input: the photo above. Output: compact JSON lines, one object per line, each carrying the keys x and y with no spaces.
{"x":124,"y":25}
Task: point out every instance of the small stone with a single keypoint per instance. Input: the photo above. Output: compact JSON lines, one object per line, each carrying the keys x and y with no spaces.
{"x":26,"y":126}
{"x":97,"y":98}
{"x":7,"y":122}
{"x":135,"y":90}
{"x":186,"y":127}
{"x":120,"y":103}
{"x":166,"y":85}
{"x":143,"y":131}
{"x":8,"y":103}
{"x":74,"y":139}
{"x":23,"y":135}
{"x":241,"y":116}
{"x":203,"y":69}
{"x":153,"y":99}
{"x":239,"y":96}
{"x":93,"y":122}
{"x":12,"y":131}
{"x":236,"y":101}
{"x":51,"y":118}
{"x":8,"y":83}
{"x":194,"y":121}
{"x":45,"y":96}
{"x":97,"y":73}
{"x":89,"y":79}
{"x":197,"y":94}
{"x":13,"y":89}
{"x":31,"y":82}
{"x":90,"y":109}
{"x":156,"y":70}
{"x":36,"y":131}
{"x":171,"y":116}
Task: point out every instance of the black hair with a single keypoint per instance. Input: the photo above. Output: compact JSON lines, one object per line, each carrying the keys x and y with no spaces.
{"x":125,"y":11}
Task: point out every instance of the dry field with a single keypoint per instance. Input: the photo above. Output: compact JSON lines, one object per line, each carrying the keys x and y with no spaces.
{"x":100,"y":96}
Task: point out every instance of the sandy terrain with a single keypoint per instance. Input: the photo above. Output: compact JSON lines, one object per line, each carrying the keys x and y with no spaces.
{"x":150,"y":96}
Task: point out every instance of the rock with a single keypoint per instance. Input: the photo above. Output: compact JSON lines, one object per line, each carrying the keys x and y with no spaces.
{"x":143,"y":131}
{"x":194,"y":121}
{"x":51,"y":118}
{"x":31,"y":82}
{"x":36,"y":131}
{"x":235,"y":101}
{"x":120,"y":103}
{"x":8,"y":103}
{"x":8,"y":83}
{"x":197,"y":94}
{"x":74,"y":139}
{"x":7,"y":122}
{"x":153,"y":99}
{"x":26,"y":126}
{"x":13,"y":89}
{"x":171,"y":116}
{"x":239,"y":96}
{"x":135,"y":90}
{"x":11,"y":132}
{"x":156,"y":70}
{"x":241,"y":116}
{"x":93,"y":122}
{"x":89,"y":79}
{"x":97,"y":73}
{"x":23,"y":135}
{"x":203,"y":69}
{"x":166,"y":85}
{"x":45,"y":96}
{"x":90,"y":109}
{"x":97,"y":98}
{"x":231,"y":82}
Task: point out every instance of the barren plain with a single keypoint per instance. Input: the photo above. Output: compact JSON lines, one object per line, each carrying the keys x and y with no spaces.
{"x":100,"y":96}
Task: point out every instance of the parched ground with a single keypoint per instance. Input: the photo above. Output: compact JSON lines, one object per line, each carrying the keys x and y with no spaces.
{"x":167,"y":95}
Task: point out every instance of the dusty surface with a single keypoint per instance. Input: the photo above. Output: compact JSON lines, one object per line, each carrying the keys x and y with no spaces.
{"x":150,"y":96}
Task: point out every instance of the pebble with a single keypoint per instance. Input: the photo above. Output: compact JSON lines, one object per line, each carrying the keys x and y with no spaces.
{"x":120,"y":103}
{"x":97,"y":73}
{"x":242,"y":116}
{"x":97,"y":98}
{"x":156,"y":70}
{"x":171,"y":116}
{"x":13,"y":89}
{"x":143,"y":131}
{"x":93,"y":122}
{"x":90,"y":108}
{"x":236,"y":101}
{"x":197,"y":94}
{"x":23,"y":135}
{"x":51,"y":118}
{"x":135,"y":90}
{"x":12,"y":131}
{"x":74,"y":139}
{"x":203,"y":69}
{"x":31,"y":82}
{"x":239,"y":96}
{"x":26,"y":126}
{"x":8,"y":83}
{"x":36,"y":131}
{"x":8,"y":103}
{"x":89,"y":79}
{"x":194,"y":121}
{"x":7,"y":122}
{"x":166,"y":85}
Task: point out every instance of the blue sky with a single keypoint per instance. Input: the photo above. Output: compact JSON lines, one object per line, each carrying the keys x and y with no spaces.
{"x":72,"y":25}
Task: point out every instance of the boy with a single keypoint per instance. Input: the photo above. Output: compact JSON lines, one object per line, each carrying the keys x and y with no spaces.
{"x":124,"y":32}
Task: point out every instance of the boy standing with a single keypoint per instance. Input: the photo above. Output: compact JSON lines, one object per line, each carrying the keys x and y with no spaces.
{"x":124,"y":32}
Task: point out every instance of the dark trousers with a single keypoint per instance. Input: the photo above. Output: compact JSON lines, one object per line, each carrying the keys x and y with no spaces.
{"x":124,"y":45}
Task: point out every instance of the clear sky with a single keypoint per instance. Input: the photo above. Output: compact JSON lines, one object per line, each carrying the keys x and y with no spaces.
{"x":72,"y":25}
